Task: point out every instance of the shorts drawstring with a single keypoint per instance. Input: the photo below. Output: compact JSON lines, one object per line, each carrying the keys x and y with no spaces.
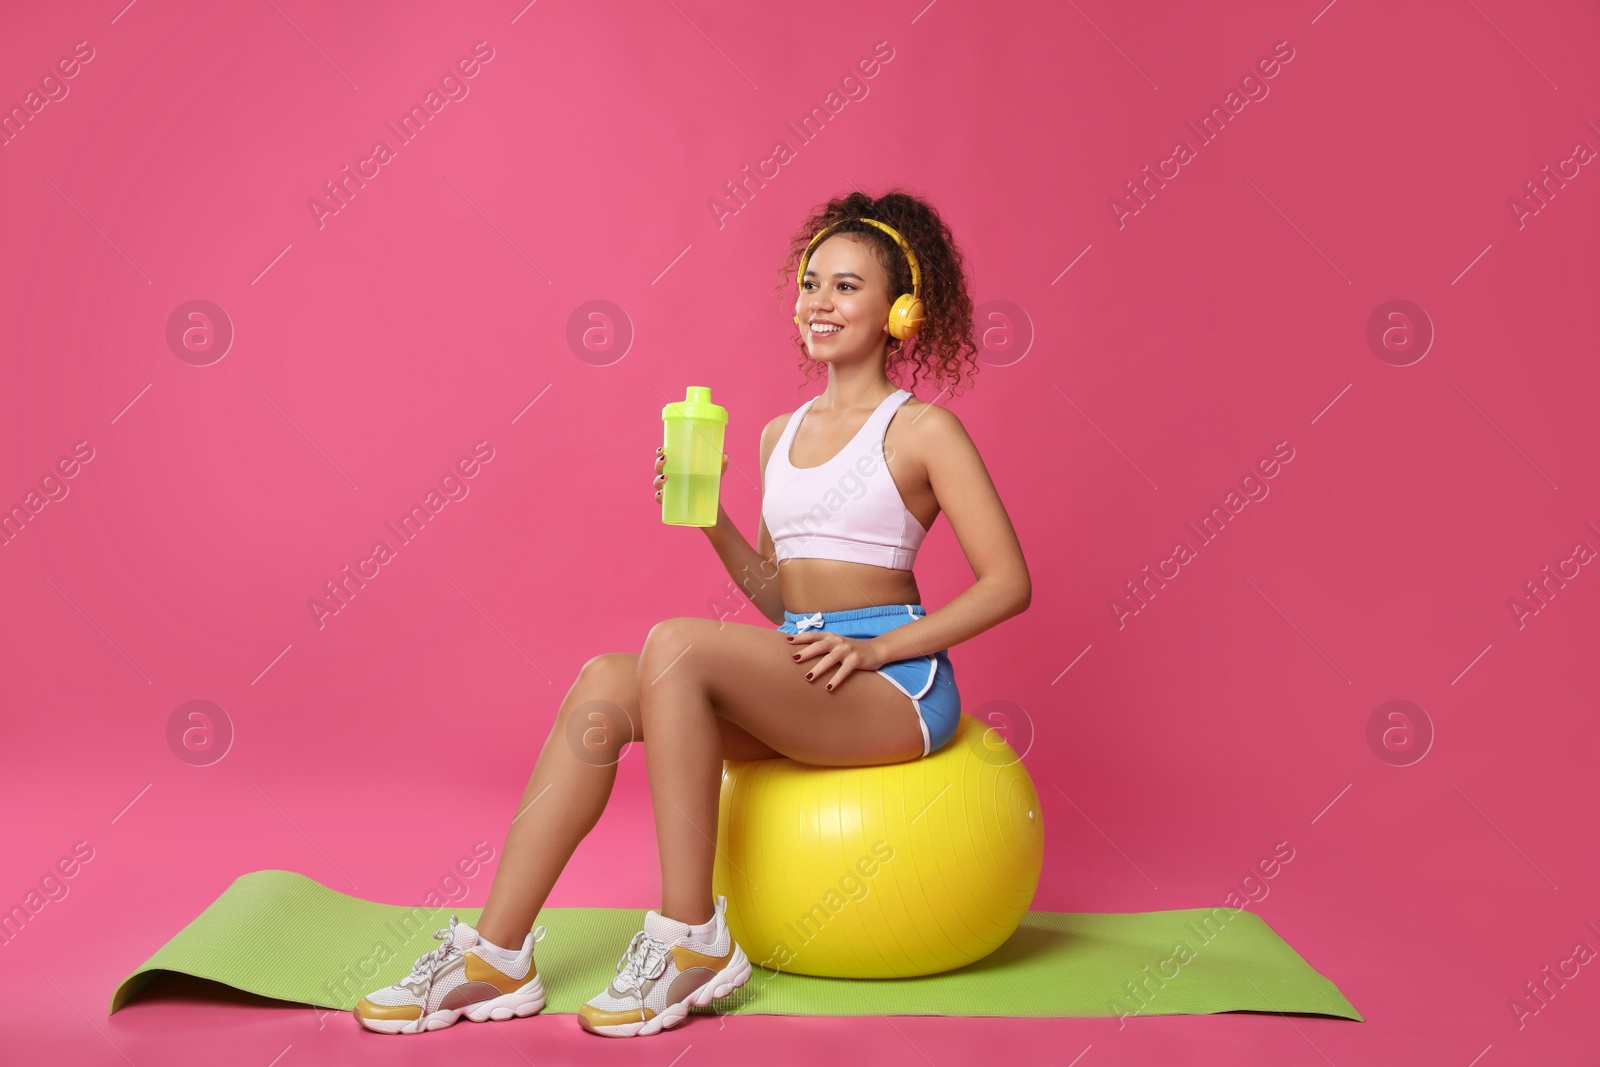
{"x":812,"y":621}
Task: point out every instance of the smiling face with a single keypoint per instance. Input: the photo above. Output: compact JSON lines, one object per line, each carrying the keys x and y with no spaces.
{"x":844,"y":286}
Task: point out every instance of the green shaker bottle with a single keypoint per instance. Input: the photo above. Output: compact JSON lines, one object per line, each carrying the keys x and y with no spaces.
{"x":693,"y":444}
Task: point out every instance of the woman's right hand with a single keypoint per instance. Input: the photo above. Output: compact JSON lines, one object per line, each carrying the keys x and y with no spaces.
{"x":660,"y":482}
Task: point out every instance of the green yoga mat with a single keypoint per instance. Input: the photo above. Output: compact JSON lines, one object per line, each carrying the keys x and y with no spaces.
{"x":286,"y":936}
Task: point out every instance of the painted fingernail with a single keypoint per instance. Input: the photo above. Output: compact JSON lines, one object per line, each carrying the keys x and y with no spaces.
{"x":830,"y":687}
{"x":797,"y":655}
{"x":789,"y":639}
{"x":808,"y":677}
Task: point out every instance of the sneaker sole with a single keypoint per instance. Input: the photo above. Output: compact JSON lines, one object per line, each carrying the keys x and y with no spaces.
{"x":731,"y":977}
{"x":529,"y":1000}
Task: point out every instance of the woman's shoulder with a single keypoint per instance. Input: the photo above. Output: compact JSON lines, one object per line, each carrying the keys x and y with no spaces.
{"x":928,"y":433}
{"x":771,"y":432}
{"x":929,"y":423}
{"x":774,"y":427}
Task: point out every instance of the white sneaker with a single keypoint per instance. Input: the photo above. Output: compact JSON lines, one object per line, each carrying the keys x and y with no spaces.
{"x":453,"y":980}
{"x":662,"y":973}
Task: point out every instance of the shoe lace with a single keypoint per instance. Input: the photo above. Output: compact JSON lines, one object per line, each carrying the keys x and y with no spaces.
{"x":428,"y":964}
{"x":645,"y":957}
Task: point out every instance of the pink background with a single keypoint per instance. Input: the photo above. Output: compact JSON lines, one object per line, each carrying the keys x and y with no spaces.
{"x":1119,"y":400}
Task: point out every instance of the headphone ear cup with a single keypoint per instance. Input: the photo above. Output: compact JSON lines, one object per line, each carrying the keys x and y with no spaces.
{"x":905,"y":317}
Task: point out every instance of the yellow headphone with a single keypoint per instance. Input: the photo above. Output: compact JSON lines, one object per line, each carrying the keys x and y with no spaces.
{"x":905,"y":317}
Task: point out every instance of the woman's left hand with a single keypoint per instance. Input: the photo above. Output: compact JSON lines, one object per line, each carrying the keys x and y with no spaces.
{"x":821,"y":650}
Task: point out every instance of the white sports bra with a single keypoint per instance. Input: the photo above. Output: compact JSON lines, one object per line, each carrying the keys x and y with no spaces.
{"x":845,"y":509}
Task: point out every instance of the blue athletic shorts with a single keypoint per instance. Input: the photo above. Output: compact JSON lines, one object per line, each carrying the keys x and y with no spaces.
{"x":929,"y":681}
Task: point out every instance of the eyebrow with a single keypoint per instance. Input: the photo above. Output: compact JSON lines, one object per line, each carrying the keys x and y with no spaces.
{"x":840,"y":274}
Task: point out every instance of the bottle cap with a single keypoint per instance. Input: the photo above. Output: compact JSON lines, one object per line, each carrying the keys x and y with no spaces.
{"x":696,"y":405}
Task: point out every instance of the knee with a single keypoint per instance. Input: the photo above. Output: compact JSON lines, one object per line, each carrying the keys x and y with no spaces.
{"x":596,"y":720}
{"x":608,"y":672}
{"x":609,"y":682}
{"x":665,"y":651}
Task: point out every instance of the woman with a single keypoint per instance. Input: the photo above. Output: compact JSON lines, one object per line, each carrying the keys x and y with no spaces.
{"x":856,"y":673}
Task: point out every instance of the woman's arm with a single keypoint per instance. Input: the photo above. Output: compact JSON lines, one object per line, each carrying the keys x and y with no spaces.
{"x":969,"y":501}
{"x":755,"y":571}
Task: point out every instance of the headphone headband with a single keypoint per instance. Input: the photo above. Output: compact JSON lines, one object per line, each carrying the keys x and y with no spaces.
{"x":906,"y":313}
{"x":911,"y":258}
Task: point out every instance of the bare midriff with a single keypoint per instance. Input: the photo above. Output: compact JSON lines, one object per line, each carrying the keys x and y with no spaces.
{"x":811,"y":585}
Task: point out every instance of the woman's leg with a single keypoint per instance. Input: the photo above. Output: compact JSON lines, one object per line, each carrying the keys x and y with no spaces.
{"x":698,"y":675}
{"x":569,"y":787}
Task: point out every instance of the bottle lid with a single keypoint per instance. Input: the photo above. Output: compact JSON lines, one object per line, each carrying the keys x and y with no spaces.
{"x":696,"y":405}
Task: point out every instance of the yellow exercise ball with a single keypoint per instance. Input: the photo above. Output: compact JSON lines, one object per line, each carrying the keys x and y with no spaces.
{"x":887,"y":871}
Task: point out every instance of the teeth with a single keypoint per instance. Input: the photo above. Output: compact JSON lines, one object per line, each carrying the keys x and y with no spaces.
{"x":824,"y":327}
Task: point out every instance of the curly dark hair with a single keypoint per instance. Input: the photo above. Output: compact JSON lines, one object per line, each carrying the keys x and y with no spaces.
{"x":944,"y":345}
